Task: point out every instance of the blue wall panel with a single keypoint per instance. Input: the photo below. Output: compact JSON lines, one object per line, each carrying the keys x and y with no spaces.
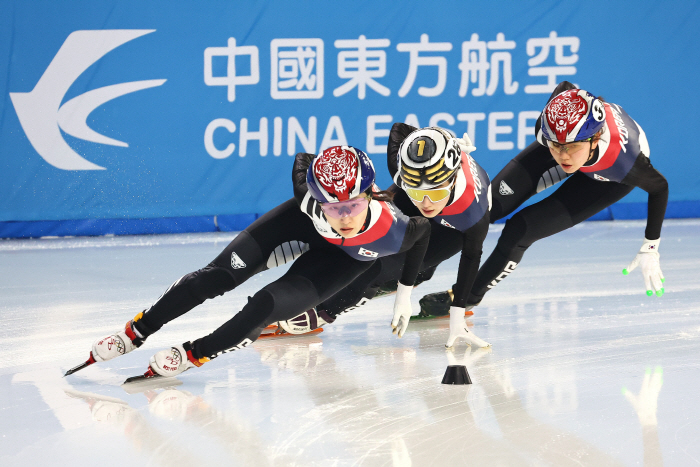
{"x":163,"y":110}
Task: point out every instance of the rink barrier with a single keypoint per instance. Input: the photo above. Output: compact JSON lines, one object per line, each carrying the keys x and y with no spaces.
{"x":99,"y":227}
{"x":238,"y":222}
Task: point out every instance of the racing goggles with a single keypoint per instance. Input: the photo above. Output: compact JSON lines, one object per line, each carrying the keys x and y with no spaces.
{"x":568,"y":148}
{"x":435,"y":195}
{"x":349,"y":208}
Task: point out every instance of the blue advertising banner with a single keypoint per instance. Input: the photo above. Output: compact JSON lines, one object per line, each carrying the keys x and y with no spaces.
{"x":114,"y":113}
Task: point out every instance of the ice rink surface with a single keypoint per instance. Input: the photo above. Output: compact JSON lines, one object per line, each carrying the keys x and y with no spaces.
{"x":585,"y":369}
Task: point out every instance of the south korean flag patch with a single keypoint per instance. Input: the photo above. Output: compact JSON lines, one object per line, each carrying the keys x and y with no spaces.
{"x":600,"y":178}
{"x":367,"y":253}
{"x":446,"y":224}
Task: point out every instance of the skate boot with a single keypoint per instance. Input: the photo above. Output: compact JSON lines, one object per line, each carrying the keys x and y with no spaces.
{"x":114,"y":345}
{"x":435,"y":304}
{"x":438,"y":304}
{"x":174,"y":361}
{"x":119,"y":343}
{"x":306,"y":322}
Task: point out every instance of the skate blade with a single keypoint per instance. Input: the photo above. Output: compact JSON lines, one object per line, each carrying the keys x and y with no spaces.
{"x":149,"y":380}
{"x":149,"y":374}
{"x":280,"y":333}
{"x":419,"y":316}
{"x":85,"y":364}
{"x":428,"y":317}
{"x":138,"y":384}
{"x":271,"y":329}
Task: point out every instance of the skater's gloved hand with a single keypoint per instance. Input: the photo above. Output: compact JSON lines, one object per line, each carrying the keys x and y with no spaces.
{"x":402,"y":309}
{"x":458,"y":328}
{"x":648,"y":260}
{"x":465,"y":143}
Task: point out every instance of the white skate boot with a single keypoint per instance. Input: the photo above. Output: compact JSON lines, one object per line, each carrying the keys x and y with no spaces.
{"x":306,"y":322}
{"x":173,"y":361}
{"x":119,"y":343}
{"x":114,"y":345}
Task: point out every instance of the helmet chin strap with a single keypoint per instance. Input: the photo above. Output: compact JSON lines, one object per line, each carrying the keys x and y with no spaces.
{"x":591,"y":154}
{"x":452,"y":194}
{"x":367,"y":220}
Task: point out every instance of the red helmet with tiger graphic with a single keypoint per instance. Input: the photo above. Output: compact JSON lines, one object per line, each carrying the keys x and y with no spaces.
{"x":573,"y":115}
{"x":339,"y":173}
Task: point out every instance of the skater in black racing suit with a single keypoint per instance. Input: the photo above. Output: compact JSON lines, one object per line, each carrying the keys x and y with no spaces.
{"x":435,"y":177}
{"x":343,"y":221}
{"x":602,"y":154}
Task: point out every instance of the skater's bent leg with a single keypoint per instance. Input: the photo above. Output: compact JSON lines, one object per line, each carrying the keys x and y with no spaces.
{"x":576,"y":200}
{"x":444,"y":243}
{"x":527,"y":226}
{"x":362,"y":289}
{"x":241,"y":259}
{"x":245,"y":327}
{"x":314,"y":277}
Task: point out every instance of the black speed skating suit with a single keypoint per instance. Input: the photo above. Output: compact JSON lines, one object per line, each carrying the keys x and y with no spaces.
{"x":315,"y":276}
{"x":461,"y":226}
{"x":620,"y":162}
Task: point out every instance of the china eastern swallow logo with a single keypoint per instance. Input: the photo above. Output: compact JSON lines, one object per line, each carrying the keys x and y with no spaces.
{"x":40,"y":111}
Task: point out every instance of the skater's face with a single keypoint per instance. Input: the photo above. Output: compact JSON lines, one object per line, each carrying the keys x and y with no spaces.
{"x":571,"y":156}
{"x":427,"y":206}
{"x":348,"y":217}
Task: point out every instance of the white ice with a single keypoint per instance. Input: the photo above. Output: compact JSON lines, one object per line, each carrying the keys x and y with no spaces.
{"x":585,"y":369}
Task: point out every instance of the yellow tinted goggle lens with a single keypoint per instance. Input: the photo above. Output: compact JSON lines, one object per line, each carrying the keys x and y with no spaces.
{"x":433,"y":195}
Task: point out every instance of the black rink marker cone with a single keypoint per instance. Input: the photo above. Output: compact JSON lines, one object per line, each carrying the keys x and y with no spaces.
{"x":456,"y":374}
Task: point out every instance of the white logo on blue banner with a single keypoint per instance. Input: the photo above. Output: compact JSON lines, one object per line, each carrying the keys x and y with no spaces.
{"x":40,"y":111}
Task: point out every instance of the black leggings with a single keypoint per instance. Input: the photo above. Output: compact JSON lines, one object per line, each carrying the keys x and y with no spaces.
{"x":277,"y":237}
{"x":311,"y":279}
{"x":444,"y":243}
{"x":577,"y":199}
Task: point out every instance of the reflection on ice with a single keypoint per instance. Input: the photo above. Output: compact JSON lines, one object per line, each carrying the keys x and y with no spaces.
{"x":567,"y":335}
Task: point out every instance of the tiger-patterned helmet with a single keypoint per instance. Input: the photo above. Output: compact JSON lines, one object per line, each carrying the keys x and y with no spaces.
{"x":339,"y":173}
{"x":573,"y":115}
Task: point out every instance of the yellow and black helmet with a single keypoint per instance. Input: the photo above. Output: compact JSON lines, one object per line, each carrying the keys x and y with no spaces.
{"x":428,"y":157}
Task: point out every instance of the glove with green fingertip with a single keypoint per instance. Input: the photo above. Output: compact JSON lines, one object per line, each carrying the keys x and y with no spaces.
{"x":648,"y":261}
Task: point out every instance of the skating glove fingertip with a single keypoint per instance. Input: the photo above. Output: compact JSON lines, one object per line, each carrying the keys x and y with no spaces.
{"x":659,"y":292}
{"x":625,"y":271}
{"x":650,"y":293}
